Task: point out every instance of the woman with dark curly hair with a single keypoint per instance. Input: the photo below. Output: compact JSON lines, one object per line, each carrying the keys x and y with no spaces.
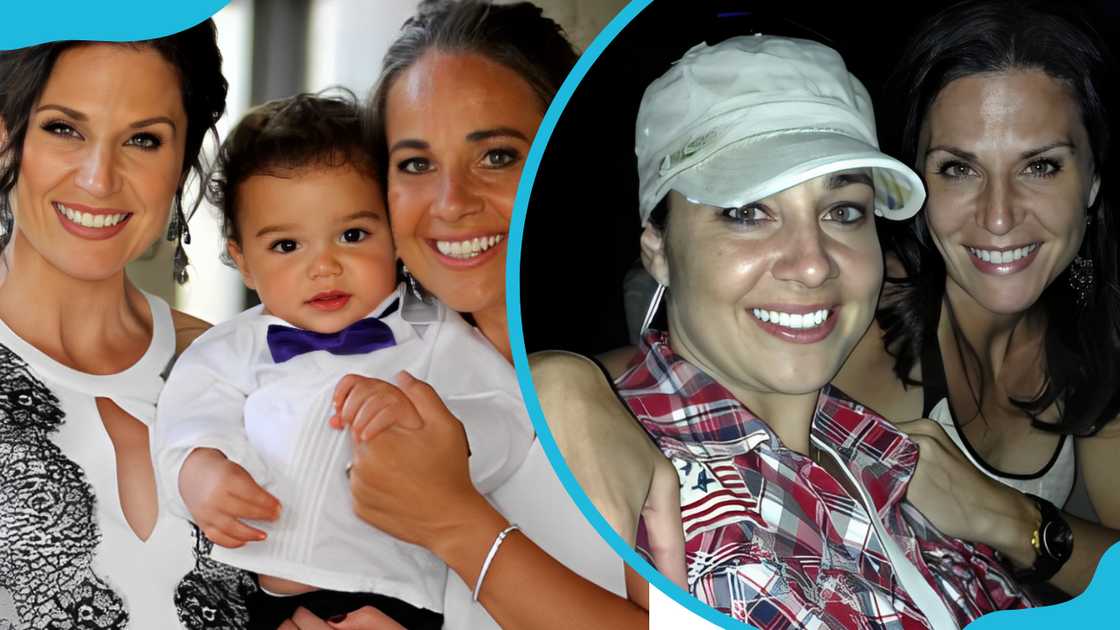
{"x":99,"y":140}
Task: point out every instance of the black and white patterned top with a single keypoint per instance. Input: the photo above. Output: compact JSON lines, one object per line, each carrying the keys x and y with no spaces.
{"x":68,"y":558}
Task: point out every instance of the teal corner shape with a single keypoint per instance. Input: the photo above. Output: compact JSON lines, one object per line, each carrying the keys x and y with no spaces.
{"x":26,"y":23}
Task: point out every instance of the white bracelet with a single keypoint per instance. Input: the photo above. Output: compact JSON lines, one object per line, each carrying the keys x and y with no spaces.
{"x":490,"y":558}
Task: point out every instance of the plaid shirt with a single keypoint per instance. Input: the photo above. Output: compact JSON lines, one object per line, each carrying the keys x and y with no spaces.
{"x":773,"y":539}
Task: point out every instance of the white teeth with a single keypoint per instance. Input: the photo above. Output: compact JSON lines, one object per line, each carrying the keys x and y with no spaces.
{"x":90,"y":220}
{"x":792,"y":320}
{"x":468,"y":248}
{"x":1001,"y":257}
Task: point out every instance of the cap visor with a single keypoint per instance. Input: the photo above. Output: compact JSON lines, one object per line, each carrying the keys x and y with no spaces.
{"x":755,"y":168}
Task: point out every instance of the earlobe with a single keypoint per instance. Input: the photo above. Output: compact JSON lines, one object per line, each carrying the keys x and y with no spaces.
{"x":238,"y":257}
{"x":653,"y":254}
{"x":1096,"y":187}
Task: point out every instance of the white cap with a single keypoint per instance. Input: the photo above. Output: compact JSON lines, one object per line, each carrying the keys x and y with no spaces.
{"x":734,"y":123}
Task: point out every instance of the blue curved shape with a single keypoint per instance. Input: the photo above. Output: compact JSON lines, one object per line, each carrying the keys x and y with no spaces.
{"x":1089,"y":608}
{"x":517,"y":336}
{"x":29,"y":23}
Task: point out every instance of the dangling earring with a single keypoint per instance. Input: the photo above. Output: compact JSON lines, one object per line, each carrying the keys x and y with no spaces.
{"x":651,"y":312}
{"x":413,"y":285}
{"x":1081,"y":277}
{"x":178,"y":231}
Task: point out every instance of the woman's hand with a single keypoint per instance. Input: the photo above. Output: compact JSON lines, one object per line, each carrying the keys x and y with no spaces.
{"x":612,"y":458}
{"x":962,"y":501}
{"x":414,"y":483}
{"x":365,"y":618}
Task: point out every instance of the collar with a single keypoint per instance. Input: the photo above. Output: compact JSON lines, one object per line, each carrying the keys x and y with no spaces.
{"x":690,"y":414}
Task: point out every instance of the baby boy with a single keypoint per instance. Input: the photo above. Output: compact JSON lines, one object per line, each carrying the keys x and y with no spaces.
{"x":243,"y":421}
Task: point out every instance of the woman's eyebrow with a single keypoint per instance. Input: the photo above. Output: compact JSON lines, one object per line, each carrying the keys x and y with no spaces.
{"x":961,"y":153}
{"x":1046,"y":147}
{"x":497,"y":132}
{"x":840,"y":180}
{"x":409,"y":143}
{"x":155,"y":120}
{"x":72,"y":113}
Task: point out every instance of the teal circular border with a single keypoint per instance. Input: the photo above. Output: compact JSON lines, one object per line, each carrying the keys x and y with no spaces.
{"x":1090,"y":607}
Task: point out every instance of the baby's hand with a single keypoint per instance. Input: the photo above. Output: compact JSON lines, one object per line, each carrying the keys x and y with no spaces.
{"x":219,"y":493}
{"x":370,"y":405}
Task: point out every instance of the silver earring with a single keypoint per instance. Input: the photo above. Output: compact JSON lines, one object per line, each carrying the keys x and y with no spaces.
{"x":178,"y":232}
{"x":413,"y":285}
{"x":1081,"y":276}
{"x":1081,"y":279}
{"x":654,"y":303}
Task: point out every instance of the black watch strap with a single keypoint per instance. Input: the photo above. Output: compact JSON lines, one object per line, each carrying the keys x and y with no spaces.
{"x":1053,"y":543}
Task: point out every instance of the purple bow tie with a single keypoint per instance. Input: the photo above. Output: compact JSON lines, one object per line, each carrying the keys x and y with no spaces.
{"x":364,"y":335}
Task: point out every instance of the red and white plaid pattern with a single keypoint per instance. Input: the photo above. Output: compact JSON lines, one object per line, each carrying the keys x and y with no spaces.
{"x":772,"y":538}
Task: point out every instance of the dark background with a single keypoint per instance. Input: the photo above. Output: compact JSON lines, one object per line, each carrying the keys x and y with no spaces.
{"x":582,"y":226}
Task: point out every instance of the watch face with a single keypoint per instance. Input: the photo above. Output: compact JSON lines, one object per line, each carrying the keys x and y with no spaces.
{"x":1057,"y":539}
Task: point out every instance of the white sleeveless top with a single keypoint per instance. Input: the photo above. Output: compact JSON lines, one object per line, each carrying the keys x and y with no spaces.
{"x":1053,"y":483}
{"x":68,"y":557}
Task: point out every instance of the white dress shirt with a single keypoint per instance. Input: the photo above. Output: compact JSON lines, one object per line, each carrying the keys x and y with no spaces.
{"x":226,"y":392}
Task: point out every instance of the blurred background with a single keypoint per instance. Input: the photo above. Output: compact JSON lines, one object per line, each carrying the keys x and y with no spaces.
{"x":275,"y":48}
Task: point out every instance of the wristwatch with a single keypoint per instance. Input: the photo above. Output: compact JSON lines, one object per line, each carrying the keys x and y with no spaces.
{"x":1052,"y":541}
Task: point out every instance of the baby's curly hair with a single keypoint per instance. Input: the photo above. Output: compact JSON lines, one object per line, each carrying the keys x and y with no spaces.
{"x":285,"y":135}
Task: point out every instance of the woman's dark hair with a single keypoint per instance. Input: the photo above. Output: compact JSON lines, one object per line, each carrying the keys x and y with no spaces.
{"x":1082,"y":340}
{"x":24,"y":74}
{"x":288,"y":134}
{"x":517,"y":36}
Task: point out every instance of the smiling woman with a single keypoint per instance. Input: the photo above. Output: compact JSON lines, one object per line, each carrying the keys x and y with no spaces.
{"x":999,"y":320}
{"x":721,"y":306}
{"x":452,"y":184}
{"x":83,"y":151}
{"x":98,"y":142}
{"x":460,"y":96}
{"x":988,"y":175}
